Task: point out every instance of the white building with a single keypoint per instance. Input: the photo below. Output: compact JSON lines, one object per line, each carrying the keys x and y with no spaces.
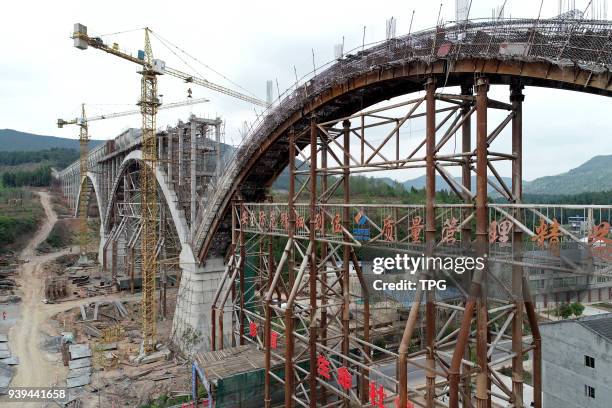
{"x":577,"y":362}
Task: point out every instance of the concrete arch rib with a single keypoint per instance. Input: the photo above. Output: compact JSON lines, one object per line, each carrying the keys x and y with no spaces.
{"x":94,"y":182}
{"x":178,"y":218}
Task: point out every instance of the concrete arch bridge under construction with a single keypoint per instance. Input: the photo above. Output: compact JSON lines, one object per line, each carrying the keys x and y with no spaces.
{"x":291,"y":277}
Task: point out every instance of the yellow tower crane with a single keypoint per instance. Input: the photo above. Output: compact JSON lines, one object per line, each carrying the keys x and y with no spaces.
{"x":149,"y":103}
{"x":82,"y":123}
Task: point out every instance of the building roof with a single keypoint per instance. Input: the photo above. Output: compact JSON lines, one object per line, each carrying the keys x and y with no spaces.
{"x":231,"y":361}
{"x":600,"y":324}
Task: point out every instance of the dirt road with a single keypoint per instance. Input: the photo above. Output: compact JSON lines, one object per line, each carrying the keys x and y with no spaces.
{"x":38,"y":368}
{"x":35,"y":365}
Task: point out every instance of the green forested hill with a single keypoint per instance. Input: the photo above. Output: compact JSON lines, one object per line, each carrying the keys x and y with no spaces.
{"x":594,"y":175}
{"x":14,"y":140}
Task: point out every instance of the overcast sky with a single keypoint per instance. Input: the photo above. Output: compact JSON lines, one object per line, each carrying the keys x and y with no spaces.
{"x":42,"y":77}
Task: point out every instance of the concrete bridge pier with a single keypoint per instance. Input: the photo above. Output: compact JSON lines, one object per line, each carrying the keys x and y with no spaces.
{"x":102,"y":258}
{"x":191,"y":326}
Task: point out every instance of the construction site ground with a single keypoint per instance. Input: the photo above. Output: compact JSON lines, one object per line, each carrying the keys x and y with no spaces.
{"x":35,"y":327}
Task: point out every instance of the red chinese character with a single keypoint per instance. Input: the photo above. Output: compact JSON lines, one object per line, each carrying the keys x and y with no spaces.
{"x":262,"y":219}
{"x":284,"y":220}
{"x":387,"y":230}
{"x":601,"y":244}
{"x":553,"y":236}
{"x":372,"y":393}
{"x":541,"y":233}
{"x":299,"y":221}
{"x":381,"y":397}
{"x":253,"y":329}
{"x":493,"y":232}
{"x":416,"y":228}
{"x":244,"y":217}
{"x":377,"y":398}
{"x":274,"y":339}
{"x":323,"y":367}
{"x":272,"y":219}
{"x":345,"y":379}
{"x":449,"y":230}
{"x":505,"y":227}
{"x":319,"y":224}
{"x":337,"y":226}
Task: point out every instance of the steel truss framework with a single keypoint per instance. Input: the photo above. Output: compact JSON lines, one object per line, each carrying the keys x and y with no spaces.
{"x":126,"y":232}
{"x":309,"y":306}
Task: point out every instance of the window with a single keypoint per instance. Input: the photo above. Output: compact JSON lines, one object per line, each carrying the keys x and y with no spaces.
{"x":569,"y":282}
{"x":589,"y":361}
{"x":589,"y":391}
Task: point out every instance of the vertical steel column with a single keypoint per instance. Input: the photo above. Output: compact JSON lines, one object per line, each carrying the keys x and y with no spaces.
{"x":290,"y":265}
{"x":365,"y":373}
{"x":258,"y":283}
{"x":516,"y":97}
{"x":482,"y":379}
{"x":346,"y":251}
{"x":312,"y":340}
{"x":268,"y":320}
{"x":430,"y":234}
{"x":466,"y":179}
{"x":323,"y":278}
{"x":241,"y":265}
{"x":233,"y":315}
{"x":267,"y":357}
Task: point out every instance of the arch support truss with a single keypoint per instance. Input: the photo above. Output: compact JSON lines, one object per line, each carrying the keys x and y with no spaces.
{"x":302,"y":281}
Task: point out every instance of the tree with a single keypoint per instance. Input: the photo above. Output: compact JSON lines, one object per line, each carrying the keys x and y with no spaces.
{"x":565,"y":311}
{"x":577,"y":308}
{"x":39,"y":177}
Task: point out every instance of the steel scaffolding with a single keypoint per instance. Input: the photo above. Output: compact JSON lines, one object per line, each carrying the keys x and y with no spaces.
{"x":311,"y":305}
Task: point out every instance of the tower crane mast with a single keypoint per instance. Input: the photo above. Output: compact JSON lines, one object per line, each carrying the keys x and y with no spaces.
{"x":149,"y":103}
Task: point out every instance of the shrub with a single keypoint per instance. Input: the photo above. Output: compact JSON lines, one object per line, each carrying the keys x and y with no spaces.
{"x":577,"y":308}
{"x":564,"y":310}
